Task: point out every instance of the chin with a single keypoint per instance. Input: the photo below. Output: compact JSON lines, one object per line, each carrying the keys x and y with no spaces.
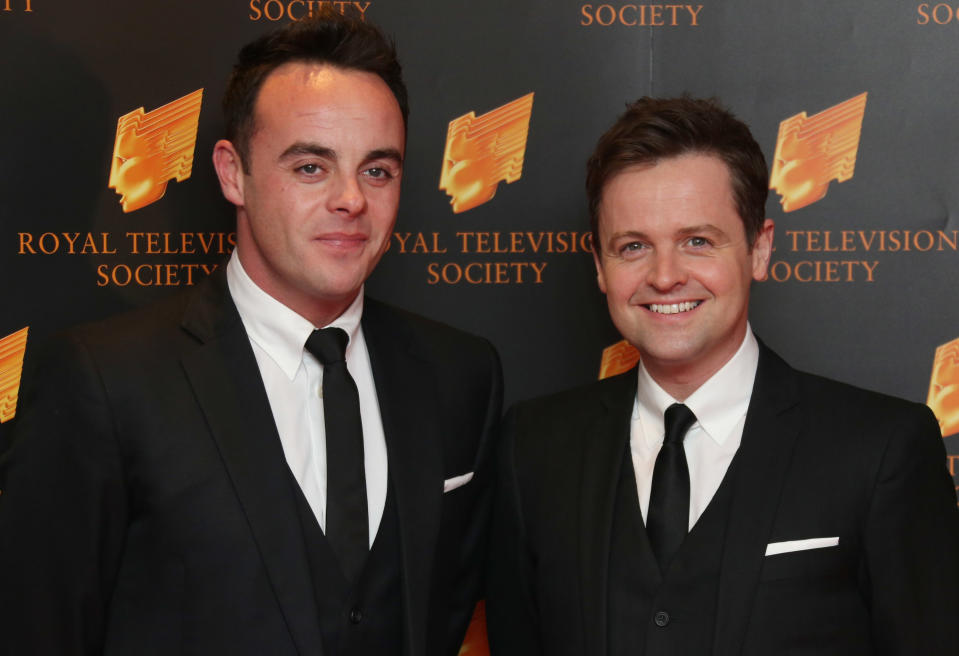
{"x":669,"y":353}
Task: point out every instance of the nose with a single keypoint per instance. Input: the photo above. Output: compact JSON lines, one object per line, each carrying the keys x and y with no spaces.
{"x":666,"y":271}
{"x":346,"y":197}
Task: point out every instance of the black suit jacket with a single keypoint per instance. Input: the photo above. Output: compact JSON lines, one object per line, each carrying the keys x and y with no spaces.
{"x":817,"y":459}
{"x":147,"y":507}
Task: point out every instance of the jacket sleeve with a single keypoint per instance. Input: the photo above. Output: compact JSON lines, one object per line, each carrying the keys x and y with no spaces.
{"x":513,"y":622}
{"x":469,"y":586}
{"x":63,"y":509}
{"x":911,"y":542}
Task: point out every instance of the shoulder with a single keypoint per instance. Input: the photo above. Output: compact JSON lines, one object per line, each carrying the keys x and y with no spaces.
{"x":135,"y":343}
{"x":549,"y":441}
{"x":573,"y":401}
{"x":427,"y":337}
{"x":71,"y":376}
{"x":574,"y":415}
{"x":856,"y":404}
{"x":140,"y":331}
{"x":837,"y":413}
{"x":825,"y":395}
{"x":143,"y":324}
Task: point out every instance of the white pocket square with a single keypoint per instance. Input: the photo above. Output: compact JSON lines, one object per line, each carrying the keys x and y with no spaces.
{"x":774,"y":548}
{"x":457,"y":481}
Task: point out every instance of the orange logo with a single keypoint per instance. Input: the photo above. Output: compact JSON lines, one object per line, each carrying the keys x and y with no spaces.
{"x":483,"y":151}
{"x":475,"y":642}
{"x":944,"y":387}
{"x":153,"y":148}
{"x":813,"y":150}
{"x":11,"y":5}
{"x":12,"y":348}
{"x":618,"y":358}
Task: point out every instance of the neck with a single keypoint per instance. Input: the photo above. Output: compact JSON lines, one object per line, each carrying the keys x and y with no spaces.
{"x":678,"y":385}
{"x":318,"y":311}
{"x":681,"y":379}
{"x":322,"y":315}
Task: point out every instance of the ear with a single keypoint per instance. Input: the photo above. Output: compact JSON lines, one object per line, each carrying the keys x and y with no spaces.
{"x":763,"y":250}
{"x":600,"y":273}
{"x":229,"y":169}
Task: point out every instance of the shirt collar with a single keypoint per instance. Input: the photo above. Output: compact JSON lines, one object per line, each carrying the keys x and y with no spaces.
{"x":274,"y":327}
{"x":718,"y":404}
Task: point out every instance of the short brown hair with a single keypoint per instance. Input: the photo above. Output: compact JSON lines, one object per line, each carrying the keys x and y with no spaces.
{"x":328,"y":37}
{"x":653,"y":129}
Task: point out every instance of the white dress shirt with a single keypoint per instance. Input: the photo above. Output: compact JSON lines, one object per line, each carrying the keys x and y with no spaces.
{"x":293,"y":379}
{"x":720,"y":406}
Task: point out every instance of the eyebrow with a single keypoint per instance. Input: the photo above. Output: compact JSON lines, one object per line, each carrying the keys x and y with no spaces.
{"x":698,"y":229}
{"x":306,"y":148}
{"x":385,"y":153}
{"x":707,"y":228}
{"x":627,"y":233}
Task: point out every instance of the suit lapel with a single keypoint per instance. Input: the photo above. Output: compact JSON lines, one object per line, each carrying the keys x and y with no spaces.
{"x":227,"y":383}
{"x":772,"y":426}
{"x":607,"y":434}
{"x":406,"y":391}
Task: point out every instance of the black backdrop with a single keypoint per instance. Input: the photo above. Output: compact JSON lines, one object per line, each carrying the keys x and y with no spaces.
{"x":70,"y":70}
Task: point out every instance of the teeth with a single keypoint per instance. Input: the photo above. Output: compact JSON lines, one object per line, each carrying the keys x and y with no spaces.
{"x":673,"y":308}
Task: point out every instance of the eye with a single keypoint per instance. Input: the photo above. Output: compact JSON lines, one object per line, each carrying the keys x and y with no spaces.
{"x":630,"y":249}
{"x":310,"y":169}
{"x":378,"y":173}
{"x":698,"y":242}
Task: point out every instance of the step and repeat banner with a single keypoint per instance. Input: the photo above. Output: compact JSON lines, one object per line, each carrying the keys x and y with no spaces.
{"x":108,"y":198}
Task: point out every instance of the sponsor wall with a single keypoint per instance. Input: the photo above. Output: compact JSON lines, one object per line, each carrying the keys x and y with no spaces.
{"x":108,"y":199}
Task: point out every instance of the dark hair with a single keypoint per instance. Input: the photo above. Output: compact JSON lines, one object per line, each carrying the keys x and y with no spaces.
{"x":653,"y":129}
{"x":327,"y":37}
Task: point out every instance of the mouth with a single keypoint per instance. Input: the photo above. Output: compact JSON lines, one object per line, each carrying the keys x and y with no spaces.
{"x":342,"y":240}
{"x":673,"y":308}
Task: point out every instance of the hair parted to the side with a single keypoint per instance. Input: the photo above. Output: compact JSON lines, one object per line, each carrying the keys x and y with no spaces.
{"x":342,"y":40}
{"x":653,"y":129}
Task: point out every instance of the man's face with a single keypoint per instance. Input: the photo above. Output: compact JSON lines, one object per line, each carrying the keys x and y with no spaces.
{"x":318,"y":203}
{"x":675,"y":265}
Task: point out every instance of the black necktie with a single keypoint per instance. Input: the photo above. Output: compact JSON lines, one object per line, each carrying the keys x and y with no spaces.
{"x":347,"y":521}
{"x":668,"y":517}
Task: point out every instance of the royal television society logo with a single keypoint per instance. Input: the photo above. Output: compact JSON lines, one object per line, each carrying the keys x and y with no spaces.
{"x":812,"y":151}
{"x":617,"y":359}
{"x":482,"y":151}
{"x":943,"y":397}
{"x":152,"y":148}
{"x":12,"y":348}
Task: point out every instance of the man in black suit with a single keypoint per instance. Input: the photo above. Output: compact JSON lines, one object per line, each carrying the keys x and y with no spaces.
{"x":217,"y":475}
{"x":714,"y":500}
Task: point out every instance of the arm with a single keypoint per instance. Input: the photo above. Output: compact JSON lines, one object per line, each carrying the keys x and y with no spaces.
{"x":474,"y":545}
{"x":911,"y":540}
{"x":62,"y":511}
{"x":511,"y":613}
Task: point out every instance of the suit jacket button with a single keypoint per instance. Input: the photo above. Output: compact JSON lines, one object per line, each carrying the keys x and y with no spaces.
{"x":356,"y":616}
{"x":661,"y":618}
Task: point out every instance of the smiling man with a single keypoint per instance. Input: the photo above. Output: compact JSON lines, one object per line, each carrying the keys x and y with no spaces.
{"x":713,"y":500}
{"x":272,"y":463}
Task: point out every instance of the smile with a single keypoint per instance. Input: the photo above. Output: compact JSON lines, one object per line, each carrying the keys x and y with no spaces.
{"x":673,"y":308}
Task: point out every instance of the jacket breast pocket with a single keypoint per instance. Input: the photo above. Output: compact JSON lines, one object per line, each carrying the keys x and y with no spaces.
{"x":810,"y":563}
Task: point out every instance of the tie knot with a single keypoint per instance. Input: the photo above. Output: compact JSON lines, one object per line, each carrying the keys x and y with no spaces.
{"x":328,"y":345}
{"x":678,"y":420}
